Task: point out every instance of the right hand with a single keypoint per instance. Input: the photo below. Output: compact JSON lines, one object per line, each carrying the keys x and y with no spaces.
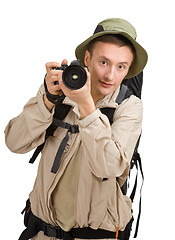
{"x":52,"y":76}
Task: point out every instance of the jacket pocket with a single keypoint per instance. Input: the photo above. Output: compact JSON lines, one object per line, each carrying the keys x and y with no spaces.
{"x":110,"y":221}
{"x":124,"y":206}
{"x":112,"y":216}
{"x":118,"y":210}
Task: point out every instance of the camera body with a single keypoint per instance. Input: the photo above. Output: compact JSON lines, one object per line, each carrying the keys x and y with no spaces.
{"x":74,"y":76}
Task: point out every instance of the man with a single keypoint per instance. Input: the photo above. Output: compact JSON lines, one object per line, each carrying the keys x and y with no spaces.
{"x":77,"y":197}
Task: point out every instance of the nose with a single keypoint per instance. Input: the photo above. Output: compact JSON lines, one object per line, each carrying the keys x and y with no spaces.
{"x":109,"y":75}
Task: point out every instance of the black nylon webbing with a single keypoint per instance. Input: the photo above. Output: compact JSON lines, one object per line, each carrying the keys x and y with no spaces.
{"x":36,"y":153}
{"x":60,"y":153}
{"x":121,"y":94}
{"x":50,"y":130}
{"x":70,"y":128}
{"x":138,"y":219}
{"x":35,"y":224}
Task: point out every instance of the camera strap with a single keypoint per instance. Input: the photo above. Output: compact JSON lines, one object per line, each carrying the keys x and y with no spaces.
{"x":52,"y":97}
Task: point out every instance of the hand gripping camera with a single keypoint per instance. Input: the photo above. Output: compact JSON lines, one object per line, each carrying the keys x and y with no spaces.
{"x":74,"y":76}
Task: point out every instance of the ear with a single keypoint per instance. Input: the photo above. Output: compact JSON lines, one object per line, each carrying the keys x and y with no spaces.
{"x":86,"y":58}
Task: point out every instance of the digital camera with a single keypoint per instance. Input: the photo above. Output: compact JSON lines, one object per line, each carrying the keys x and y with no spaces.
{"x":74,"y":76}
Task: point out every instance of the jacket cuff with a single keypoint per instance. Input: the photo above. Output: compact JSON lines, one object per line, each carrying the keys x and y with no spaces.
{"x":89,"y":119}
{"x":42,"y":107}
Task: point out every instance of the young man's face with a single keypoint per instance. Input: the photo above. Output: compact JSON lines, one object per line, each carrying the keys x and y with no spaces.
{"x":108,"y":65}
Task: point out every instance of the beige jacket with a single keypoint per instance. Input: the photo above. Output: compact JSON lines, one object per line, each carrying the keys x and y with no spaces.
{"x":104,"y":151}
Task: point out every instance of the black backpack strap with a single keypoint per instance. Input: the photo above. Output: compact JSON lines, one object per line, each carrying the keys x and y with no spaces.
{"x":70,"y":128}
{"x":135,"y":84}
{"x":137,"y":163}
{"x":49,"y":132}
{"x":124,"y":93}
{"x":35,"y":224}
{"x":61,"y":111}
{"x":55,"y":124}
{"x":109,"y":112}
{"x":36,"y":153}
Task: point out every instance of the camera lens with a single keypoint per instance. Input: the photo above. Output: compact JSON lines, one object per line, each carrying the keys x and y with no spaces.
{"x":74,"y":77}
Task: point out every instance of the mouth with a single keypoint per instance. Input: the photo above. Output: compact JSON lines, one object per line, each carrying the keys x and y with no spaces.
{"x":105,"y":84}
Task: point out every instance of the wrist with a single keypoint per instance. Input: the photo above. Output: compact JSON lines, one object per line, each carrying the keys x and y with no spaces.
{"x":49,"y":105}
{"x":53,"y":98}
{"x":86,"y":108}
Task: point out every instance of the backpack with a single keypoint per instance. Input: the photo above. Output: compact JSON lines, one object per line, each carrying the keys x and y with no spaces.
{"x":132,"y":86}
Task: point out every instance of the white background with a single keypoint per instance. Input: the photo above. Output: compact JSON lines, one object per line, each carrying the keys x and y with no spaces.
{"x":35,"y":32}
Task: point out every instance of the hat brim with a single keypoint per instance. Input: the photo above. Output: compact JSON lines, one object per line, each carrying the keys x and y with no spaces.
{"x":141,"y":56}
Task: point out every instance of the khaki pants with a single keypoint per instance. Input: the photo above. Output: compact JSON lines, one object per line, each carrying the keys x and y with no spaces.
{"x":41,"y":236}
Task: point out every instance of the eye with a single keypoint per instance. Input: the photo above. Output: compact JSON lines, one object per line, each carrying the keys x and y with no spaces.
{"x":121,"y":67}
{"x":103,"y":62}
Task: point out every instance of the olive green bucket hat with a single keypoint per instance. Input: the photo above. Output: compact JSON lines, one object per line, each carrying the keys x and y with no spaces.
{"x":121,"y":27}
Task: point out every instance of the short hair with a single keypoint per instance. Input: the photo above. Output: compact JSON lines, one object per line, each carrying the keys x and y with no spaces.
{"x":111,"y":38}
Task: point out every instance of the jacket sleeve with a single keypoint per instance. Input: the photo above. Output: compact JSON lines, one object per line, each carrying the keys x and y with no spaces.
{"x":27,"y":131}
{"x":110,"y":148}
